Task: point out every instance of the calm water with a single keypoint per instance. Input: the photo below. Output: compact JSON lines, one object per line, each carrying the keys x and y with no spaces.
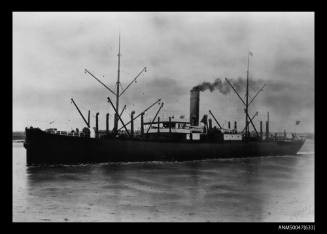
{"x":269,"y":189}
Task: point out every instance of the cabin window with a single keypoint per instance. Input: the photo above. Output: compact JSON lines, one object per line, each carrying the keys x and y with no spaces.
{"x":231,"y":137}
{"x":196,"y":136}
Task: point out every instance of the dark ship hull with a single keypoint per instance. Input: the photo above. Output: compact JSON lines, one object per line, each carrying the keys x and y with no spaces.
{"x":45,"y":148}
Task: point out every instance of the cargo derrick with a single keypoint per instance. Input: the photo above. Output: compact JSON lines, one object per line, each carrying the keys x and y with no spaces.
{"x":122,"y":111}
{"x":154,"y":118}
{"x":246,"y":104}
{"x":117,"y":116}
{"x":215,"y":119}
{"x":190,"y":130}
{"x":87,"y":123}
{"x":142,"y":113}
{"x":256,"y":113}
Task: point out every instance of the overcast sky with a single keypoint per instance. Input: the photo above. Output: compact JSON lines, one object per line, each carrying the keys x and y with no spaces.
{"x":180,"y":50}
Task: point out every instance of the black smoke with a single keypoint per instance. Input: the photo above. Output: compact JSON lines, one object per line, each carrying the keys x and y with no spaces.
{"x":284,"y":97}
{"x":223,"y":87}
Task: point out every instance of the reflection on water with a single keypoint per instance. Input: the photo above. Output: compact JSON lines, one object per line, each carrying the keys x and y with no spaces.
{"x":278,"y":189}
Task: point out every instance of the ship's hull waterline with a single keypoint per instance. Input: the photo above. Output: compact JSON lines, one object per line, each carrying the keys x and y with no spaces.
{"x":44,"y":148}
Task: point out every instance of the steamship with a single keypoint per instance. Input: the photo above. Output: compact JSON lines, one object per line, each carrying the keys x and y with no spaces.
{"x":156,"y":140}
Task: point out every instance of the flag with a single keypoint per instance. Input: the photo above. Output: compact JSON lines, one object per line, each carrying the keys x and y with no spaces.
{"x":297,"y":122}
{"x":250,"y":53}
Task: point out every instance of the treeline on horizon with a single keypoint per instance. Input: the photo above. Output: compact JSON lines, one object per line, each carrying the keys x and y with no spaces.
{"x":18,"y":135}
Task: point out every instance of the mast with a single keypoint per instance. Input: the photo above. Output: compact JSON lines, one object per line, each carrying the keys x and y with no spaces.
{"x":247,"y":98}
{"x":117,"y":93}
{"x":248,"y":119}
{"x":117,"y":90}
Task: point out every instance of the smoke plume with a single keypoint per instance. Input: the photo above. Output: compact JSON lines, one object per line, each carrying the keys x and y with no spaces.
{"x":284,"y":97}
{"x":223,"y":87}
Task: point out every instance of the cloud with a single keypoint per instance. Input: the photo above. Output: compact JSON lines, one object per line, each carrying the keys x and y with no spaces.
{"x":287,"y":98}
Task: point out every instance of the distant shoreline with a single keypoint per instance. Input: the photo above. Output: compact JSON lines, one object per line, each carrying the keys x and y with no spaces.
{"x":18,"y":136}
{"x":18,"y":141}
